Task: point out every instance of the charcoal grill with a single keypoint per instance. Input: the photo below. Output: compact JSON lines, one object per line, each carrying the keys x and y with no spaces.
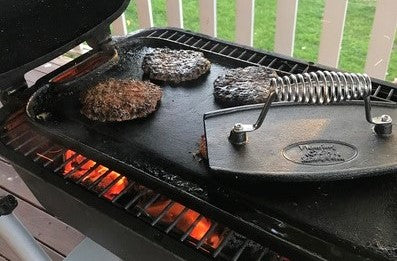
{"x":175,"y":212}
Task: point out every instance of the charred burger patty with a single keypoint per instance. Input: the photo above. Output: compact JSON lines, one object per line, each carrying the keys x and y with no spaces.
{"x":175,"y":66}
{"x":242,"y":86}
{"x":120,"y":100}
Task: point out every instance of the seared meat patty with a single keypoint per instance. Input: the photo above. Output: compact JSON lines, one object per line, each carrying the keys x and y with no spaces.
{"x":175,"y":66}
{"x":120,"y":100}
{"x":242,"y":86}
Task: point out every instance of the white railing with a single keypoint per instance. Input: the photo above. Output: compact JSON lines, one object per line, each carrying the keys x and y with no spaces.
{"x":379,"y":50}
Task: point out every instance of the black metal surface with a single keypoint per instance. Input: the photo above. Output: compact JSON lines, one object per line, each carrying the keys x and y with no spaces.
{"x":7,"y":204}
{"x":34,"y":32}
{"x":320,"y":143}
{"x":346,"y":220}
{"x":383,"y":92}
{"x":212,"y":201}
{"x":171,"y":134}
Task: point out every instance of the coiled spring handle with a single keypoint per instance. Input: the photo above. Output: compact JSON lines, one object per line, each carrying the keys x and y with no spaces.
{"x":321,"y":87}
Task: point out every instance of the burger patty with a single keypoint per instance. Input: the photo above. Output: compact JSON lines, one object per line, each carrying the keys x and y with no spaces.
{"x":120,"y":100}
{"x":243,"y":86}
{"x":175,"y":66}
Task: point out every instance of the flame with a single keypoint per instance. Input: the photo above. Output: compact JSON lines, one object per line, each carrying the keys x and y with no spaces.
{"x":73,"y":165}
{"x":185,"y":222}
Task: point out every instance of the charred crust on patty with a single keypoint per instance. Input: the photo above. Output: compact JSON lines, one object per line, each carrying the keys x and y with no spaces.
{"x":175,"y":66}
{"x":241,"y":86}
{"x":120,"y":100}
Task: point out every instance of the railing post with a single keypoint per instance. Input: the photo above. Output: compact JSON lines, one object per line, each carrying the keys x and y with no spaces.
{"x":382,"y":38}
{"x":245,"y":21}
{"x":332,"y":33}
{"x":120,"y":26}
{"x":285,"y":26}
{"x":208,"y":17}
{"x":175,"y":13}
{"x":144,"y":10}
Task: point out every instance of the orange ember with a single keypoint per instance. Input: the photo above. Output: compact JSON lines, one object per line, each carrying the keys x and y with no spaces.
{"x":80,"y":165}
{"x":201,"y":228}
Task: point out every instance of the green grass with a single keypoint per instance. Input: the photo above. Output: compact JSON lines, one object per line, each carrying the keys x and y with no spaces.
{"x":359,"y":19}
{"x":264,"y":24}
{"x":358,"y":24}
{"x":308,"y":28}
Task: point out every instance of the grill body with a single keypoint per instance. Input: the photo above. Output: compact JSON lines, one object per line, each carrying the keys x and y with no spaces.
{"x":120,"y":234}
{"x":305,"y":221}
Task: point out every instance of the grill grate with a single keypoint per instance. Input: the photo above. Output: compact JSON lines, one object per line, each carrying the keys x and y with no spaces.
{"x":382,"y":91}
{"x":186,"y":225}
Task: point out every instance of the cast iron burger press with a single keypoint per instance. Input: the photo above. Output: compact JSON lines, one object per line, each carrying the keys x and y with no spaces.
{"x":320,"y":136}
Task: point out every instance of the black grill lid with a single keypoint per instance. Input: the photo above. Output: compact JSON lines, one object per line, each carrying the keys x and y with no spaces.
{"x":33,"y":32}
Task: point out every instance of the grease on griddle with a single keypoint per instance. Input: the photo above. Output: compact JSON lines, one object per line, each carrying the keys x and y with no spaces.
{"x":241,"y":86}
{"x":120,"y":100}
{"x":203,"y":148}
{"x":201,"y":152}
{"x":175,"y":66}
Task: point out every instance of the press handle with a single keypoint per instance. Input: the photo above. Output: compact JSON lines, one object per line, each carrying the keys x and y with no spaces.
{"x":321,"y":87}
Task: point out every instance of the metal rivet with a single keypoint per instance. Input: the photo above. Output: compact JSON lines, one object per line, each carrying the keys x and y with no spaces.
{"x":385,"y":118}
{"x":238,"y":126}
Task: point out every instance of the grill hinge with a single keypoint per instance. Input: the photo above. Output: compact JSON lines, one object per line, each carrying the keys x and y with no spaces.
{"x":100,"y":39}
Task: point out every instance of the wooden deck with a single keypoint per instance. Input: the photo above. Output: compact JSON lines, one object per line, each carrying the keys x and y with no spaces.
{"x":57,"y":238}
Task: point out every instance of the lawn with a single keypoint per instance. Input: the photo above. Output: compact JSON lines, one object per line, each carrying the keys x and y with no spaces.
{"x":358,"y":25}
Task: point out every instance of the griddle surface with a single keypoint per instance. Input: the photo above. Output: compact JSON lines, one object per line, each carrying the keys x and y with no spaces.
{"x":170,"y":135}
{"x":360,"y":212}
